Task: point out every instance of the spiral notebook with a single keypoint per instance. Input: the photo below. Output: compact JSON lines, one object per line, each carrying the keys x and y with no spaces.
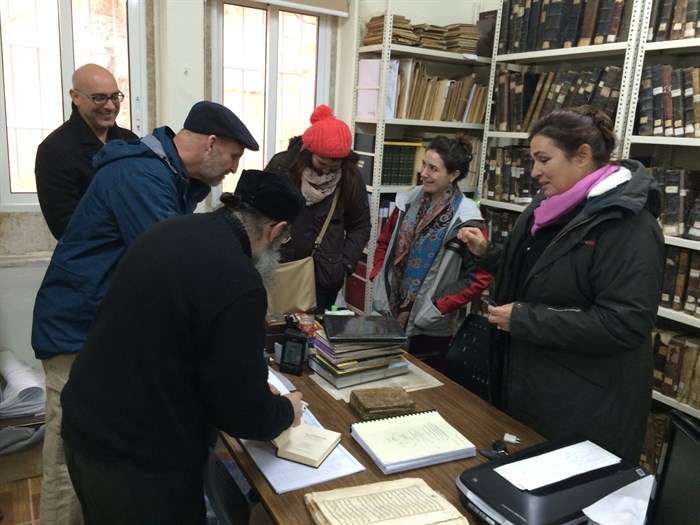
{"x":411,"y":441}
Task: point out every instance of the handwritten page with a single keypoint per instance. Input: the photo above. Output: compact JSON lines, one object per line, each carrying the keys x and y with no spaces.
{"x":545,"y":469}
{"x":407,"y":501}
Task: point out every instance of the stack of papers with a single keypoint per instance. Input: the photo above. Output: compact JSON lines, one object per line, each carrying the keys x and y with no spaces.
{"x":24,"y":392}
{"x":415,"y":440}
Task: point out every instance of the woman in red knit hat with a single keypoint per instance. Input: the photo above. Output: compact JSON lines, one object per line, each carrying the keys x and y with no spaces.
{"x":321,"y":163}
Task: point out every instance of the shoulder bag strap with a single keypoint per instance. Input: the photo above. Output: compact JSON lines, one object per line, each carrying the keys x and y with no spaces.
{"x":318,"y":240}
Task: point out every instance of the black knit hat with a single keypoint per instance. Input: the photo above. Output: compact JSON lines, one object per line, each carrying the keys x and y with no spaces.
{"x":210,"y":118}
{"x":271,"y":194}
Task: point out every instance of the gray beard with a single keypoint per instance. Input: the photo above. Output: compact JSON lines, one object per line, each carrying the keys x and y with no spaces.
{"x":266,"y":263}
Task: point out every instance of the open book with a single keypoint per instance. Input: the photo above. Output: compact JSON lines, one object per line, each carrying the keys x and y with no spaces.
{"x":306,"y":444}
{"x":414,"y":440}
{"x":409,"y":501}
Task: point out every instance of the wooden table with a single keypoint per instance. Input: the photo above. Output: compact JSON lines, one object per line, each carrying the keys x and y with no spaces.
{"x":477,"y":420}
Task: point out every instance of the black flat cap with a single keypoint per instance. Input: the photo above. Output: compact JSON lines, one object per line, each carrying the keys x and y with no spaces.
{"x":271,"y":194}
{"x":210,"y":118}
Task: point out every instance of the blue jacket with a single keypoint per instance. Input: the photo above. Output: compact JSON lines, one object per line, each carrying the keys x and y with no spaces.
{"x":137,"y":184}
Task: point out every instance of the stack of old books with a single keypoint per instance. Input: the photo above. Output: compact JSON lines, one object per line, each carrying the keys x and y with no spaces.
{"x":402,"y":32}
{"x":462,"y":38}
{"x":431,"y":36}
{"x":358,"y":349}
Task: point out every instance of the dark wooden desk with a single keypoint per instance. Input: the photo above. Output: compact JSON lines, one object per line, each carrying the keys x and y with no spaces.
{"x":480,"y":422}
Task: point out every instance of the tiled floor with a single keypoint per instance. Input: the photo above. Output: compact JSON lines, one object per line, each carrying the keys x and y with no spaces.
{"x":19,"y":502}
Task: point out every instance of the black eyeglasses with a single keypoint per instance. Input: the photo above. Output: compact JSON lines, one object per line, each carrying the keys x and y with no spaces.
{"x":100,"y":99}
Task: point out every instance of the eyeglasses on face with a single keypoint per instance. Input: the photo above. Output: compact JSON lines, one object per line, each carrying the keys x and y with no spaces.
{"x":100,"y":99}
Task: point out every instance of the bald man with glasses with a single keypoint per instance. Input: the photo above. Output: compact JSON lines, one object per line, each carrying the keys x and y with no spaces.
{"x":64,"y":159}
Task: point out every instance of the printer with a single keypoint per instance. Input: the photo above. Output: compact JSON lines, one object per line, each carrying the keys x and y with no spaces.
{"x":495,"y":500}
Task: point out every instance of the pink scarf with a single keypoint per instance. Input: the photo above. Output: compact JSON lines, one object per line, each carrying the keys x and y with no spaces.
{"x":557,"y":206}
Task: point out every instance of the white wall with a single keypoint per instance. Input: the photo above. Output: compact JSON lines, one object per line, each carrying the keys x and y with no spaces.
{"x":18,"y":286}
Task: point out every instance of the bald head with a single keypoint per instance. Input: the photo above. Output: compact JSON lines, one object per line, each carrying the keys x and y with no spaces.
{"x":90,"y":80}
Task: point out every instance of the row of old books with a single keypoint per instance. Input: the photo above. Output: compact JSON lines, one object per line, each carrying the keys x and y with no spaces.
{"x":680,"y":206}
{"x":402,"y":162}
{"x":423,"y":95}
{"x":532,"y":25}
{"x":507,"y":177}
{"x":676,"y":366}
{"x":669,"y":101}
{"x":674,"y":20}
{"x":414,"y":92}
{"x":680,"y":287}
{"x":522,"y":98}
{"x":456,"y":38}
{"x":352,"y":350}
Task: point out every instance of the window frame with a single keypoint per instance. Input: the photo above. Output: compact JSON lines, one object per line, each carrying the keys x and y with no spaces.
{"x":323,"y":65}
{"x":136,"y":16}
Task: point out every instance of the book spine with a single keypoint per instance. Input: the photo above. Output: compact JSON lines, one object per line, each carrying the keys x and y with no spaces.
{"x":666,"y":74}
{"x":692,"y":296}
{"x":572,"y":24}
{"x":681,"y":280}
{"x":658,"y":95}
{"x":504,"y":31}
{"x":669,"y":277}
{"x":696,"y":102}
{"x":680,"y":9}
{"x":615,"y":21}
{"x":544,"y":15}
{"x":645,"y":105}
{"x":663,"y":31}
{"x":671,"y":215}
{"x":688,"y":112}
{"x":692,"y":17}
{"x":590,"y":17}
{"x":605,"y":11}
{"x":534,"y":21}
{"x":654,"y":20}
{"x":677,"y":100}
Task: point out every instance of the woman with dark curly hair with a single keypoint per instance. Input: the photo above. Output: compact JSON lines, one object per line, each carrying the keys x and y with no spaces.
{"x":422,"y":274}
{"x":578,"y":284}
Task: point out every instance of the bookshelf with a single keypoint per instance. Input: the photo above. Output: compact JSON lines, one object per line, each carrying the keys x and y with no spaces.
{"x":631,"y":54}
{"x":389,"y":126}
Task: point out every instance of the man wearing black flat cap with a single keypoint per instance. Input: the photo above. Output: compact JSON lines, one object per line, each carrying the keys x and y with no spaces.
{"x":176,"y":347}
{"x":137,"y":184}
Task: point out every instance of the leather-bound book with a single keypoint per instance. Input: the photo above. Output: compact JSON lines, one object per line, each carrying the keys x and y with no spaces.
{"x":658,"y":94}
{"x":656,"y":7}
{"x":663,"y":30}
{"x":696,"y":102}
{"x":375,"y":403}
{"x":672,"y":214}
{"x":605,"y":13}
{"x":590,"y":18}
{"x":532,"y":87}
{"x":691,"y":227}
{"x":502,"y":101}
{"x":534,"y":22}
{"x":504,"y":29}
{"x":559,"y":11}
{"x":692,"y":19}
{"x":543,"y":97}
{"x":662,"y":341}
{"x":688,"y":96}
{"x":680,"y":9}
{"x":544,"y":15}
{"x":588,"y":87}
{"x":645,"y":104}
{"x":692,"y":291}
{"x":516,"y":26}
{"x":572,"y":24}
{"x":666,"y":83}
{"x":618,"y":10}
{"x":673,"y":367}
{"x":669,"y":278}
{"x":677,"y":100}
{"x":681,"y":280}
{"x":689,"y":359}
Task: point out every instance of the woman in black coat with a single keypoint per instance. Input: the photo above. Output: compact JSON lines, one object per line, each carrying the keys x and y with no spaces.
{"x":321,"y":163}
{"x":578,"y":282}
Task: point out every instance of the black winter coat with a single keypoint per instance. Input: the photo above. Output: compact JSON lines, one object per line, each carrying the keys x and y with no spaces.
{"x":64,"y":168}
{"x":579,"y":354}
{"x":347,"y":233}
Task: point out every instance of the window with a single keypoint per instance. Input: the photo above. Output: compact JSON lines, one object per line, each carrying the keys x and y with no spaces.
{"x":43,"y":42}
{"x":273,"y":67}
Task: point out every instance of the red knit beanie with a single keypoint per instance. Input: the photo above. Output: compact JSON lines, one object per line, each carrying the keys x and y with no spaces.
{"x":327,"y":136}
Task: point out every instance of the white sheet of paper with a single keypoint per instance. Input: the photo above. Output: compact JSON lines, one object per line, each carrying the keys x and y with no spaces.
{"x":545,"y":469}
{"x":625,"y":506}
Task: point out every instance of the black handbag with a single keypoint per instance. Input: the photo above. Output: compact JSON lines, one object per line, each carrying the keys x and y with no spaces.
{"x":468,"y":360}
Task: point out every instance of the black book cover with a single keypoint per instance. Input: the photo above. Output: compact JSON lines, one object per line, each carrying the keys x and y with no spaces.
{"x":677,"y":100}
{"x":534,"y":22}
{"x":544,"y":15}
{"x":572,"y":24}
{"x":663,"y":30}
{"x":517,"y":26}
{"x":504,"y":29}
{"x":667,"y":99}
{"x":656,"y":7}
{"x":691,"y":227}
{"x":506,"y":177}
{"x":559,"y":11}
{"x":692,"y":16}
{"x":363,"y":329}
{"x":682,"y":269}
{"x":671,"y":217}
{"x":588,"y":87}
{"x":605,"y":11}
{"x":532,"y":84}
